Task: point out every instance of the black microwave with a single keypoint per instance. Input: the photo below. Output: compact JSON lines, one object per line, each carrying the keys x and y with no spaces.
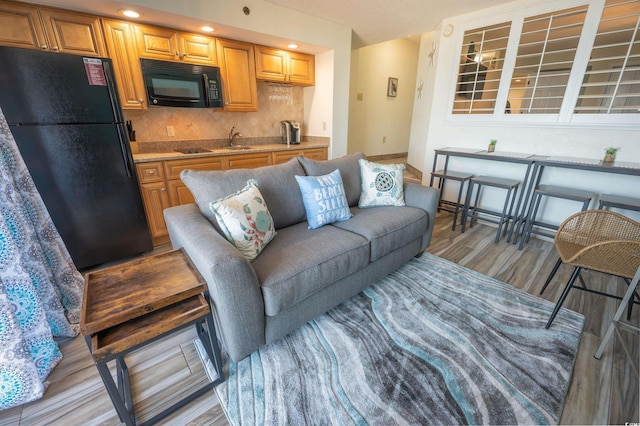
{"x":177,"y":84}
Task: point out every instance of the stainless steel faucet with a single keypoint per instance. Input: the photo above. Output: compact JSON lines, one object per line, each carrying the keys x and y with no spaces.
{"x":232,"y":136}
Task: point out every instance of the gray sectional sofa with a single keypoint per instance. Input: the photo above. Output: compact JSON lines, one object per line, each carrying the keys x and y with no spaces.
{"x":302,"y":272}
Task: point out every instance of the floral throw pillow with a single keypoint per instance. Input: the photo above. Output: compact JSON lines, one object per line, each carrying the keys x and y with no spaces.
{"x":245,"y":220}
{"x":382,"y":184}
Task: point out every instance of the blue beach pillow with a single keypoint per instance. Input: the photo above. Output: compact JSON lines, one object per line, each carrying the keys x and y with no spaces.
{"x":245,"y":220}
{"x":382,"y":184}
{"x":324,"y":199}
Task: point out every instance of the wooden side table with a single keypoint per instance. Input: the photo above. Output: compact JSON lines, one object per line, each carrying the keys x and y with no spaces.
{"x":128,"y":306}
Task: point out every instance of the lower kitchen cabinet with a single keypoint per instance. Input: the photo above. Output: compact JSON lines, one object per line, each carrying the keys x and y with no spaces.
{"x":155,"y":199}
{"x":161,"y":186}
{"x":314,"y":154}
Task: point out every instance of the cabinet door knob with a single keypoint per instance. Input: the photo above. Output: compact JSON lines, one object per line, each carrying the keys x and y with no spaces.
{"x":184,"y":54}
{"x":177,"y":53}
{"x":43,"y":46}
{"x":54,"y":48}
{"x":152,"y":172}
{"x":163,"y":189}
{"x":141,"y":101}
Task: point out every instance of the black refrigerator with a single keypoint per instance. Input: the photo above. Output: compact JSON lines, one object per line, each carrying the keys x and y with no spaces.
{"x":64,"y":114}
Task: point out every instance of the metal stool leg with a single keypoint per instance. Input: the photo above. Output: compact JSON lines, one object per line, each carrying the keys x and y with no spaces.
{"x":474,"y":213}
{"x":551,"y":275}
{"x":503,"y":216}
{"x":535,"y":201}
{"x":616,"y":319}
{"x":565,"y":293}
{"x":467,"y":203}
{"x":455,"y":214}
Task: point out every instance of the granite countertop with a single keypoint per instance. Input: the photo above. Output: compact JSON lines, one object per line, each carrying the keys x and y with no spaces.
{"x":173,"y":155}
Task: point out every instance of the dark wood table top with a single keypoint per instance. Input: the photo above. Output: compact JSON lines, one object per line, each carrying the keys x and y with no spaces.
{"x":120,"y":293}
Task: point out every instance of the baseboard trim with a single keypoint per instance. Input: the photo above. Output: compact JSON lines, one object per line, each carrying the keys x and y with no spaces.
{"x":417,"y":173}
{"x":387,"y":156}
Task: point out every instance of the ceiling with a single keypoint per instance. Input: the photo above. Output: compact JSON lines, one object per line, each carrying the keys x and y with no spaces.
{"x":376,"y":21}
{"x":372,"y":21}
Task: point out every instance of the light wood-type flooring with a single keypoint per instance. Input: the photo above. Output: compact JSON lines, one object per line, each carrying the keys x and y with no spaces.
{"x":602,"y":392}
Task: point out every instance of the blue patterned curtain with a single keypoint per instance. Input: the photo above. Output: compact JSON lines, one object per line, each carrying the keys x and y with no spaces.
{"x":40,"y":288}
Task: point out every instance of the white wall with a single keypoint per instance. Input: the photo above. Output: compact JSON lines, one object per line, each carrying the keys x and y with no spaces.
{"x":435,"y":127}
{"x":270,"y":19}
{"x":426,"y":76}
{"x":378,"y":117}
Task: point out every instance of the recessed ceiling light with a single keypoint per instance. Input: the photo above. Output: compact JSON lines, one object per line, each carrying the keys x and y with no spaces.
{"x":207,"y":29}
{"x":518,"y":80}
{"x":130,"y":13}
{"x":292,"y":46}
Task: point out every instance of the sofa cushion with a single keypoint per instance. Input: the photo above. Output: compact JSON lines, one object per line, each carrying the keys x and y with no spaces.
{"x":245,"y":220}
{"x":387,"y":228}
{"x":301,"y":261}
{"x":382,"y":184}
{"x":324,"y":199}
{"x":349,"y":170}
{"x":277,"y":184}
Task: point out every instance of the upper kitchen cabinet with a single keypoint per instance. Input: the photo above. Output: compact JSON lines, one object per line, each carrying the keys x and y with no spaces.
{"x":237,"y":67}
{"x":285,"y":66}
{"x":171,"y":45}
{"x":120,"y":40}
{"x":50,"y":29}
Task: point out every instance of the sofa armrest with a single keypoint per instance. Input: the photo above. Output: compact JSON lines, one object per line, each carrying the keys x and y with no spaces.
{"x":425,"y":198}
{"x":236,"y":297}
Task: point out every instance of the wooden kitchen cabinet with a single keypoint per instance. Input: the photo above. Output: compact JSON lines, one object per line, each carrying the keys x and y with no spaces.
{"x":171,"y":45}
{"x":249,"y":161}
{"x":284,"y":66}
{"x":179,"y":194}
{"x":121,"y":47}
{"x":198,"y":49}
{"x":50,"y":29}
{"x":237,"y":67}
{"x":20,"y":26}
{"x":155,"y":198}
{"x":313,"y":153}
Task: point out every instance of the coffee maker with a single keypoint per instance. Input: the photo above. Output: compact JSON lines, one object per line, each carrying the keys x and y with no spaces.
{"x":290,"y":131}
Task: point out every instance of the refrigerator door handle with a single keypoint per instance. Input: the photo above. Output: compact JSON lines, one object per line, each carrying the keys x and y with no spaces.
{"x":113,"y":95}
{"x":126,"y":157}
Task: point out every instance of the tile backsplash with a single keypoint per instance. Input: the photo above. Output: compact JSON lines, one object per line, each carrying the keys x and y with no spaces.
{"x":204,"y":123}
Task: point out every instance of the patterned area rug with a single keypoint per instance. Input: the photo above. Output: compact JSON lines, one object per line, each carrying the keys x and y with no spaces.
{"x":431,"y":343}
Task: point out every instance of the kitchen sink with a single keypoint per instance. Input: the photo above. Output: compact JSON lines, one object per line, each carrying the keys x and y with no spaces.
{"x":237,"y":147}
{"x":192,"y":150}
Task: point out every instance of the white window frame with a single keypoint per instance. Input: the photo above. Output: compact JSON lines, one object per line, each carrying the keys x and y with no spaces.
{"x":566,"y":116}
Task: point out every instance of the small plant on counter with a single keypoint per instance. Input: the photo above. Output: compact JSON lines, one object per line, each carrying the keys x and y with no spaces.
{"x":610,"y":154}
{"x":492,"y":145}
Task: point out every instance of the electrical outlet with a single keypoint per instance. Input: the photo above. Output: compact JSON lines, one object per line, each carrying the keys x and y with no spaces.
{"x":170,"y":131}
{"x":384,"y":139}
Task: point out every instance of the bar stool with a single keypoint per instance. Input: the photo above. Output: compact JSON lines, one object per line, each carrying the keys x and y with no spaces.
{"x":507,"y":211}
{"x":455,"y":176}
{"x":550,"y":191}
{"x":618,"y":202}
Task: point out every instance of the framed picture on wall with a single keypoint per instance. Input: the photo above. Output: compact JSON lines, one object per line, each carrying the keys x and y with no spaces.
{"x":392,"y":87}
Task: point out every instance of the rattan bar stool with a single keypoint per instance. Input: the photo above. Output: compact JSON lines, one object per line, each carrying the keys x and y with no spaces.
{"x":619,"y":202}
{"x":584,"y":197}
{"x":601,"y":241}
{"x":505,"y":216}
{"x":450,"y":206}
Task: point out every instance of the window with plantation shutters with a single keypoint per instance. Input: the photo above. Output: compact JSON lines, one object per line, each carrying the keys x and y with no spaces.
{"x":480,"y":69}
{"x":546,"y":53}
{"x":611,"y":83}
